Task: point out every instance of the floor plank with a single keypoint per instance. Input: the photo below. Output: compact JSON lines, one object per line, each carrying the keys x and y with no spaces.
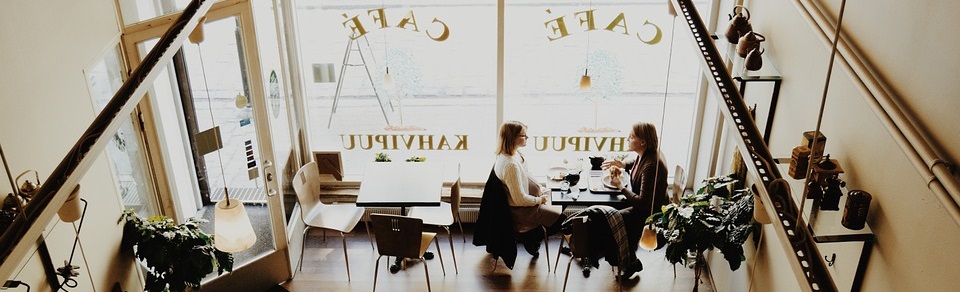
{"x":324,"y":270}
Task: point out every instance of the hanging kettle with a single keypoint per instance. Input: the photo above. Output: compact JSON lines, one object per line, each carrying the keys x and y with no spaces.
{"x":739,"y":24}
{"x":754,"y":60}
{"x":749,"y":42}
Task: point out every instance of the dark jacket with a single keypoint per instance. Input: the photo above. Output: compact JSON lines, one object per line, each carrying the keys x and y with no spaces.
{"x":494,"y":226}
{"x":649,"y":185}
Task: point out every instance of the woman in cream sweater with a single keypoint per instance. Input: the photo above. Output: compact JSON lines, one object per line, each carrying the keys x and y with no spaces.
{"x":528,"y":201}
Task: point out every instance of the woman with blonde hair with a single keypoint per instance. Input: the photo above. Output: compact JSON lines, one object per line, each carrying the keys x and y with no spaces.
{"x":528,"y":201}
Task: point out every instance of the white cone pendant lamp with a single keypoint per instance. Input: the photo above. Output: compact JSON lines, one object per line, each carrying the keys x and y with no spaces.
{"x":388,"y":82}
{"x":232,"y":229}
{"x":648,"y":240}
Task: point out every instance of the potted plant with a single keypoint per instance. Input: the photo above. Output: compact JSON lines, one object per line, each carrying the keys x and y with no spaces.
{"x":713,"y":217}
{"x":381,"y":157}
{"x":177,"y":256}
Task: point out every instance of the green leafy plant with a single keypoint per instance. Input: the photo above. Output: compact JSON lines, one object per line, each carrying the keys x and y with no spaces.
{"x":713,"y":217}
{"x":177,"y":256}
{"x":416,"y":159}
{"x":381,"y":157}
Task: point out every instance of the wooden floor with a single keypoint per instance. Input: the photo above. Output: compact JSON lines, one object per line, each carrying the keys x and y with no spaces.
{"x":324,"y":270}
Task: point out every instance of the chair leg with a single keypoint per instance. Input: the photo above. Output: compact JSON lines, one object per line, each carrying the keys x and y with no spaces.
{"x":440,"y":255}
{"x":345,"y":258}
{"x":567,"y":276}
{"x":452,"y":251}
{"x":426,"y":271}
{"x":367,"y":223}
{"x":557,"y":262}
{"x":462,"y":234}
{"x":376,"y":270}
{"x":303,"y":243}
{"x":546,"y":245}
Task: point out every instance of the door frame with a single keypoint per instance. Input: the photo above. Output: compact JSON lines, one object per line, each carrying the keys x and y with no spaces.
{"x":264,"y":267}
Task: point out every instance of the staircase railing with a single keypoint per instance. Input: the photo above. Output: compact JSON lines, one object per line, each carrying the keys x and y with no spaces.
{"x":802,"y":253}
{"x":23,"y":232}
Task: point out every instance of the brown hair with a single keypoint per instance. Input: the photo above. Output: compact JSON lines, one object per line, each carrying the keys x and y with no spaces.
{"x":647,"y":132}
{"x":509,"y":134}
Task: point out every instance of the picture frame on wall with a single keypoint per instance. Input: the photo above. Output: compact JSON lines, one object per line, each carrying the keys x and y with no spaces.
{"x":329,"y":162}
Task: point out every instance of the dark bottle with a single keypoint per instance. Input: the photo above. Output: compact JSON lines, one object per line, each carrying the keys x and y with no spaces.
{"x":831,"y":194}
{"x":855,"y":211}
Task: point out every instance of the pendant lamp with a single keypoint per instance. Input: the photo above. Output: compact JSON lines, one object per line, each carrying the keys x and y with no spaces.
{"x":648,"y":240}
{"x":232,"y":229}
{"x":388,"y":82}
{"x":197,"y":36}
{"x":585,"y":81}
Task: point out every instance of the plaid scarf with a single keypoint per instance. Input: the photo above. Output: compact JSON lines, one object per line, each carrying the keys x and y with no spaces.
{"x":617,"y":228}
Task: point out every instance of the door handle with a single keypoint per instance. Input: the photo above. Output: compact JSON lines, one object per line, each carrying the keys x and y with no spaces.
{"x":267,"y":163}
{"x":271,"y":193}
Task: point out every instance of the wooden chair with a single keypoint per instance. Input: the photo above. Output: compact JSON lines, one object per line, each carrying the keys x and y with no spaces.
{"x":315,"y":214}
{"x":444,"y":216}
{"x":402,"y":237}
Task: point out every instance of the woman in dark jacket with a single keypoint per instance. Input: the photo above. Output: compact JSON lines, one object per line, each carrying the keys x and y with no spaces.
{"x":648,"y":180}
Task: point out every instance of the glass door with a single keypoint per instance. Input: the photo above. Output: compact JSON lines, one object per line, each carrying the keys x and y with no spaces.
{"x":216,"y":120}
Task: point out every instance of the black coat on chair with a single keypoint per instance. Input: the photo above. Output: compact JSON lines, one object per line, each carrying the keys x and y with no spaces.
{"x":494,"y":225}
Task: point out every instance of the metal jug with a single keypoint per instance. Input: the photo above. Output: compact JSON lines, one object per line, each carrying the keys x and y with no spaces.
{"x":754,"y":60}
{"x":739,"y":24}
{"x":749,"y":42}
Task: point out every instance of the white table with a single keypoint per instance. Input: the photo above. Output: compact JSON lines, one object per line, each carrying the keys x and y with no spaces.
{"x":401,"y":184}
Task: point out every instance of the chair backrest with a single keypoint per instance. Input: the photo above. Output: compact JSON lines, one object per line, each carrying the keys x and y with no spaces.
{"x":306,"y":183}
{"x":397,"y":236}
{"x":580,"y":239}
{"x":678,"y":184}
{"x":455,"y":195}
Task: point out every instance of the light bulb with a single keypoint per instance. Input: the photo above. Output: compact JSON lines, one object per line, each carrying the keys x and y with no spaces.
{"x":648,"y":240}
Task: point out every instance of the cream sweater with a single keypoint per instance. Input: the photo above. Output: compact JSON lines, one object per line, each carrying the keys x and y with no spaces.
{"x":524,"y":189}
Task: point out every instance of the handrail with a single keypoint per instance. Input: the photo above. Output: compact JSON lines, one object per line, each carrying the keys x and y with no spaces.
{"x":16,"y":241}
{"x":887,"y":106}
{"x":798,"y":243}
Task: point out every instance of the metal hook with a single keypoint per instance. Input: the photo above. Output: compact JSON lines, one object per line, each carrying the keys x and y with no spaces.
{"x":831,"y":260}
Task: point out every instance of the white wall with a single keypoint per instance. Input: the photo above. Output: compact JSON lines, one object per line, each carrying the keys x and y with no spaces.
{"x":44,"y":107}
{"x":914,"y":47}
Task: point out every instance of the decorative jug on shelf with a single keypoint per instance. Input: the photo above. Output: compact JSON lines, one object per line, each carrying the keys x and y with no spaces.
{"x":754,"y":60}
{"x":739,"y":24}
{"x":749,"y":42}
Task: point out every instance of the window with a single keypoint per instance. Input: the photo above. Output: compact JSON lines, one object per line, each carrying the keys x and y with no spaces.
{"x":442,"y":59}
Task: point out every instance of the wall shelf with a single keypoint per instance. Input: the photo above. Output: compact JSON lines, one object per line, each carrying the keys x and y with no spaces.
{"x":768,"y":74}
{"x":851,"y":247}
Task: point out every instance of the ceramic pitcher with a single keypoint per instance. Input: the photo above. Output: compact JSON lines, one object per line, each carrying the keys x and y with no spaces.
{"x":739,"y":24}
{"x":749,"y":42}
{"x":754,"y":60}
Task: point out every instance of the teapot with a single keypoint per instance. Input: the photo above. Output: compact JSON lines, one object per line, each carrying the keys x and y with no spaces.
{"x":748,"y":42}
{"x":739,"y":24}
{"x":596,"y":162}
{"x":754,"y":60}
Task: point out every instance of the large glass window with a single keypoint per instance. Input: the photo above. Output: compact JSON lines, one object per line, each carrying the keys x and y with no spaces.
{"x":625,"y":49}
{"x":441,"y":104}
{"x":442,"y":59}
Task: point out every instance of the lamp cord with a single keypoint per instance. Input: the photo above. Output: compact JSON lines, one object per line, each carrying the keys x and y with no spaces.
{"x":6,"y":166}
{"x":663,"y":111}
{"x":823,"y":103}
{"x":223,"y":177}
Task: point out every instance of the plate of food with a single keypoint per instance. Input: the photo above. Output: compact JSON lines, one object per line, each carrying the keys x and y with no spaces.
{"x":557,"y":173}
{"x":615,"y":178}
